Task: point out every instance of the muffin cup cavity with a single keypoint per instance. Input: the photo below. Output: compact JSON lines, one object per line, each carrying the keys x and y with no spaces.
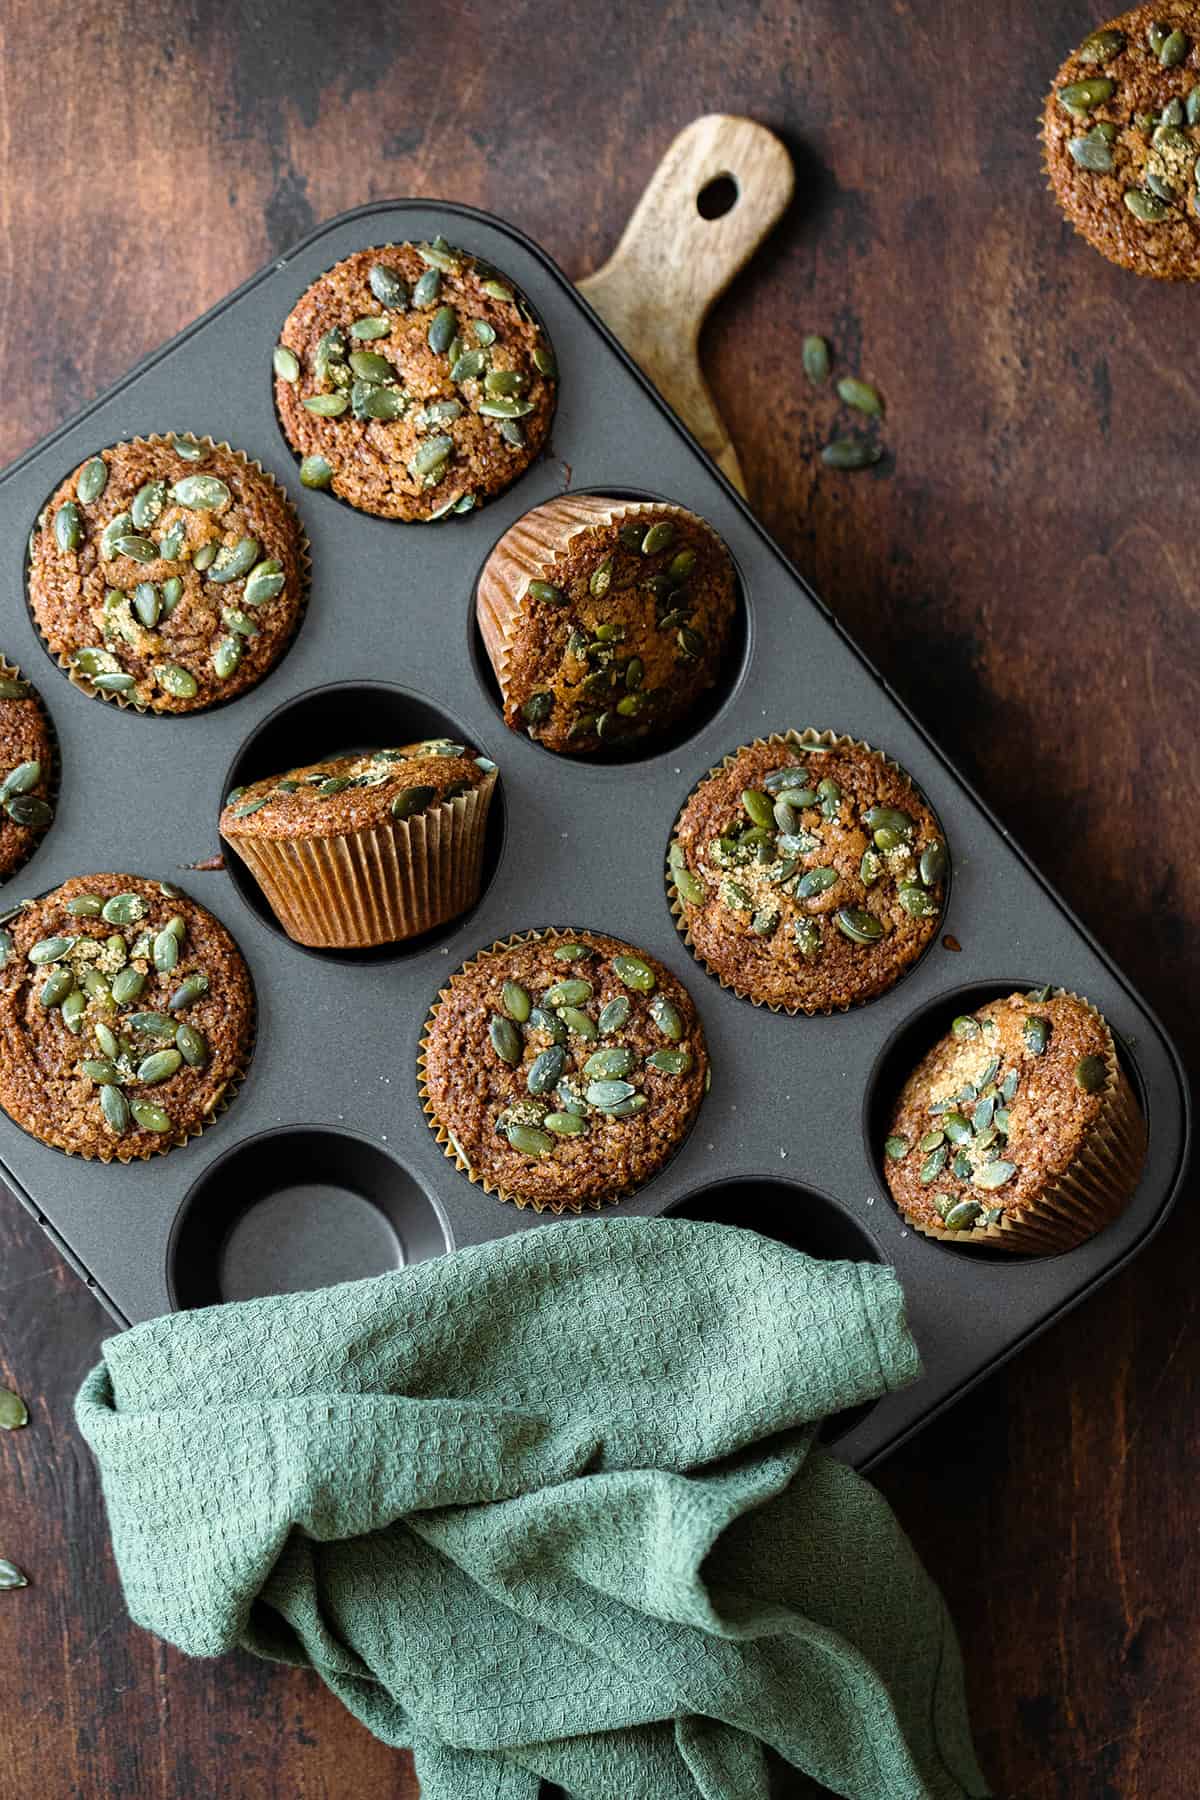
{"x":11,"y":672}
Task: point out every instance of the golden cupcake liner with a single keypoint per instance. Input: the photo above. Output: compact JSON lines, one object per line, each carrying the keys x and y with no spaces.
{"x":807,"y":740}
{"x":1090,"y":1194}
{"x":379,"y":885}
{"x":304,"y":557}
{"x":12,"y":672}
{"x":451,"y":1148}
{"x":528,"y":549}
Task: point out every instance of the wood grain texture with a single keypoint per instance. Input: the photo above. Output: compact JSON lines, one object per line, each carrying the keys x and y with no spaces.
{"x":1023,"y":571}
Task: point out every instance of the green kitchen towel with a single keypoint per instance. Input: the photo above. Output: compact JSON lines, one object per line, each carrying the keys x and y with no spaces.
{"x":554,"y":1508}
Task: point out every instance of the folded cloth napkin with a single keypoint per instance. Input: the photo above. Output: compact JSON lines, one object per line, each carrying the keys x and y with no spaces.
{"x":551,"y":1508}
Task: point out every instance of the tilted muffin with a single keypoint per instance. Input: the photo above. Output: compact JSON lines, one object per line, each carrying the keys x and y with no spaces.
{"x":1019,"y":1130}
{"x":370,"y":848}
{"x":126,"y":1017}
{"x":807,"y":872}
{"x":1121,"y":137}
{"x":561,"y":1070}
{"x":167,"y":573}
{"x":605,"y":620}
{"x":414,"y":381}
{"x":26,"y":769}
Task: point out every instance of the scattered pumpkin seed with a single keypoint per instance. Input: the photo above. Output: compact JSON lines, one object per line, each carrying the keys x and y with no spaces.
{"x":442,"y":329}
{"x":516,"y":1001}
{"x":205,"y":557}
{"x":933,"y":1165}
{"x":816,"y":359}
{"x":964,"y":1028}
{"x":315,"y":472}
{"x":993,"y":1175}
{"x":412,"y":800}
{"x":327,"y":406}
{"x":546,"y":1069}
{"x":147,"y":505}
{"x":101,"y":1070}
{"x":1174,"y":49}
{"x":149,"y":1116}
{"x":233,"y":561}
{"x":1147,"y":207}
{"x":226,"y":656}
{"x":670,"y":1062}
{"x":1036,"y":1032}
{"x":667,"y":1017}
{"x":192,"y":988}
{"x":177,"y":681}
{"x":191,"y":1045}
{"x":860,"y":926}
{"x":388,"y":287}
{"x":607,"y":1094}
{"x":962,"y":1214}
{"x":160,"y":1065}
{"x":201,"y":493}
{"x":57,"y":986}
{"x":895,"y":1148}
{"x":565,"y":1124}
{"x":93,"y":479}
{"x":850,"y":453}
{"x":49,"y":950}
{"x":285,"y":363}
{"x":807,"y":936}
{"x":1080,"y":97}
{"x":815,"y":881}
{"x":114,"y":1108}
{"x":10,"y":1575}
{"x":614,"y":1016}
{"x":860,"y":395}
{"x":527,"y":1139}
{"x":265,"y":580}
{"x":567,"y":993}
{"x":917,"y":901}
{"x":1091,"y":1074}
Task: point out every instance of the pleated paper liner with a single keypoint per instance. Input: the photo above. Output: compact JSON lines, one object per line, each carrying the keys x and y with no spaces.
{"x":1094,"y":1190}
{"x":814,"y":741}
{"x":380,"y":885}
{"x":527,"y":551}
{"x":451,"y":1149}
{"x":11,"y":672}
{"x":115,"y":1149}
{"x":303,"y":557}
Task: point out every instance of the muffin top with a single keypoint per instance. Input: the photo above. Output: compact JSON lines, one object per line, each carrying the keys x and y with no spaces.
{"x":125,"y":1012}
{"x":808,"y":877}
{"x":621,"y":629}
{"x":1121,"y":132}
{"x":353,"y":793}
{"x":414,"y":381}
{"x":26,"y":766}
{"x":167,"y":572}
{"x":565,"y":1069}
{"x":998,"y":1110}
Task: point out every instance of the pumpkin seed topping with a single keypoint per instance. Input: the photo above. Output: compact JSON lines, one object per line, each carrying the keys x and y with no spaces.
{"x":816,"y":359}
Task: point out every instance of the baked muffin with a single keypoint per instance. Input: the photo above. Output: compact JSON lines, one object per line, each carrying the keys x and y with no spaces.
{"x":126,"y":1017}
{"x":561,"y":1070}
{"x":370,"y":848}
{"x":1019,"y":1130}
{"x":807,"y":873}
{"x":1121,"y":134}
{"x":605,"y":620}
{"x":414,"y":381}
{"x":167,"y":573}
{"x":26,"y":769}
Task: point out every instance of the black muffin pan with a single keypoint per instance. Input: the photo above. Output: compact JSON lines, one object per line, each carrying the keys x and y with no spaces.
{"x":324,"y":1167}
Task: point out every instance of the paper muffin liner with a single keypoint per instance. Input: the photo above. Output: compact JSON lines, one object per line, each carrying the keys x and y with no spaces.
{"x":529,"y":548}
{"x":304,"y":557}
{"x":11,"y":671}
{"x":450,"y":1146}
{"x":379,"y":885}
{"x":1092,"y":1192}
{"x":808,"y":739}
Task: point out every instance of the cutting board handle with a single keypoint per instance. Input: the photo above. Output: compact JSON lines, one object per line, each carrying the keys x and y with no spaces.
{"x":672,"y":262}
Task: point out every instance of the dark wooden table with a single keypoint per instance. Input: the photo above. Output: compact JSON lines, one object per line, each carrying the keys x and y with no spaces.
{"x":1026,"y":576}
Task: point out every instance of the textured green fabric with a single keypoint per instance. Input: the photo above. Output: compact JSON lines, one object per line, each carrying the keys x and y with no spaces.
{"x":551,"y":1507}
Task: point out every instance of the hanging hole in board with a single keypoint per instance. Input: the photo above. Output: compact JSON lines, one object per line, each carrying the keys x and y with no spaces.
{"x":717,"y":197}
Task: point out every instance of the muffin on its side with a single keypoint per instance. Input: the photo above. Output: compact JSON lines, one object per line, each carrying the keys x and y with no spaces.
{"x":26,"y":769}
{"x":126,"y":1017}
{"x":167,"y":573}
{"x":414,"y":381}
{"x":605,"y":620}
{"x":369,"y":848}
{"x":1121,"y":138}
{"x":1019,"y":1130}
{"x":561,"y":1070}
{"x":807,"y":873}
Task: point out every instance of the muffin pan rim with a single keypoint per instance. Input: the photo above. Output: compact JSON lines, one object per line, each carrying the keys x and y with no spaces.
{"x":1012,"y":1307}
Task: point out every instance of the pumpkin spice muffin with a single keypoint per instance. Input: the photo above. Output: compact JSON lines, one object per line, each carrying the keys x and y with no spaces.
{"x":167,"y":573}
{"x":126,"y":1017}
{"x":1121,"y":135}
{"x":807,"y":873}
{"x":369,"y":848}
{"x":414,"y":381}
{"x":1019,"y":1130}
{"x":561,"y":1070}
{"x":605,"y":621}
{"x":26,"y":769}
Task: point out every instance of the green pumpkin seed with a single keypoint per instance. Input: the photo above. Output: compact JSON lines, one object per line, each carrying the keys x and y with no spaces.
{"x":870,"y":868}
{"x":201,"y":493}
{"x":1174,"y":49}
{"x":617,"y":1060}
{"x":607,"y":1094}
{"x":736,"y":897}
{"x":250,"y":807}
{"x":469,"y":366}
{"x":527,"y":1139}
{"x":95,"y":986}
{"x":127,"y":985}
{"x":550,"y":1023}
{"x":917,"y":902}
{"x":226,"y":656}
{"x":101,"y":1070}
{"x":442,"y":330}
{"x":265,"y":580}
{"x":20,"y":780}
{"x":11,"y":689}
{"x":10,"y":1575}
{"x":388,"y":287}
{"x":537,"y":708}
{"x":369,"y":365}
{"x":13,"y":1411}
{"x":547,"y":592}
{"x":816,"y":881}
{"x":153,"y":1024}
{"x":191,"y":989}
{"x":982,"y":1116}
{"x":57,"y":986}
{"x":430,"y":457}
{"x":543,"y":361}
{"x":115,"y":1109}
{"x":579,"y":1022}
{"x":172,"y":594}
{"x":1081,"y":96}
{"x":956,"y":1128}
{"x":1091,"y":1074}
{"x":109,"y":1042}
{"x":503,"y":383}
{"x":895,"y":1148}
{"x":516,"y":1001}
{"x":426,"y":289}
{"x":860,"y":926}
{"x":73,"y":1008}
{"x":1009,"y":1085}
{"x":505,"y":1040}
{"x":68,"y":527}
{"x":933,"y":863}
{"x":667,"y":1017}
{"x":546,"y":1069}
{"x":962,"y":1215}
{"x":860,"y":395}
{"x":137,"y":549}
{"x":191,"y":1045}
{"x":285,"y":363}
{"x":92,"y":481}
{"x":160,"y":1065}
{"x":440,"y":255}
{"x":807,"y":936}
{"x":147,"y":603}
{"x":205,"y":557}
{"x":177,"y":681}
{"x":670,"y":1062}
{"x":933,"y":1165}
{"x":565,"y":1124}
{"x":327,"y":406}
{"x":1036,"y":1031}
{"x":932,"y":1140}
{"x":170,"y":544}
{"x":634,"y":973}
{"x":850,"y":453}
{"x":243,"y":625}
{"x":689,"y":887}
{"x":497,"y":290}
{"x":615,"y":1015}
{"x":30,"y":811}
{"x":113,"y":532}
{"x":994,"y":1174}
{"x":1101,"y":45}
{"x":188,"y":448}
{"x":690,"y":642}
{"x":567,"y":993}
{"x":412,"y":800}
{"x":147,"y":505}
{"x":366,"y":330}
{"x":1149,"y":208}
{"x":625,"y":1109}
{"x":149,"y":1116}
{"x":816,"y":359}
{"x":50,"y":950}
{"x":659,"y":537}
{"x":758,"y":805}
{"x":315,"y":472}
{"x":233,"y":561}
{"x":1160,"y":188}
{"x":166,"y":951}
{"x":964,"y":1028}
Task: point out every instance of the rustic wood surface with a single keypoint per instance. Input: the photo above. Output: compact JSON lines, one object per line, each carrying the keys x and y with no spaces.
{"x":1024,"y":573}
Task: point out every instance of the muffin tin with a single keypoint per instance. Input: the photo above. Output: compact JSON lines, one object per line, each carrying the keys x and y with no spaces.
{"x":324,"y":1166}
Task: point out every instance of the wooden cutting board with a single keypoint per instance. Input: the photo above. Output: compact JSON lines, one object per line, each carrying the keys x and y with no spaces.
{"x":673,"y":261}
